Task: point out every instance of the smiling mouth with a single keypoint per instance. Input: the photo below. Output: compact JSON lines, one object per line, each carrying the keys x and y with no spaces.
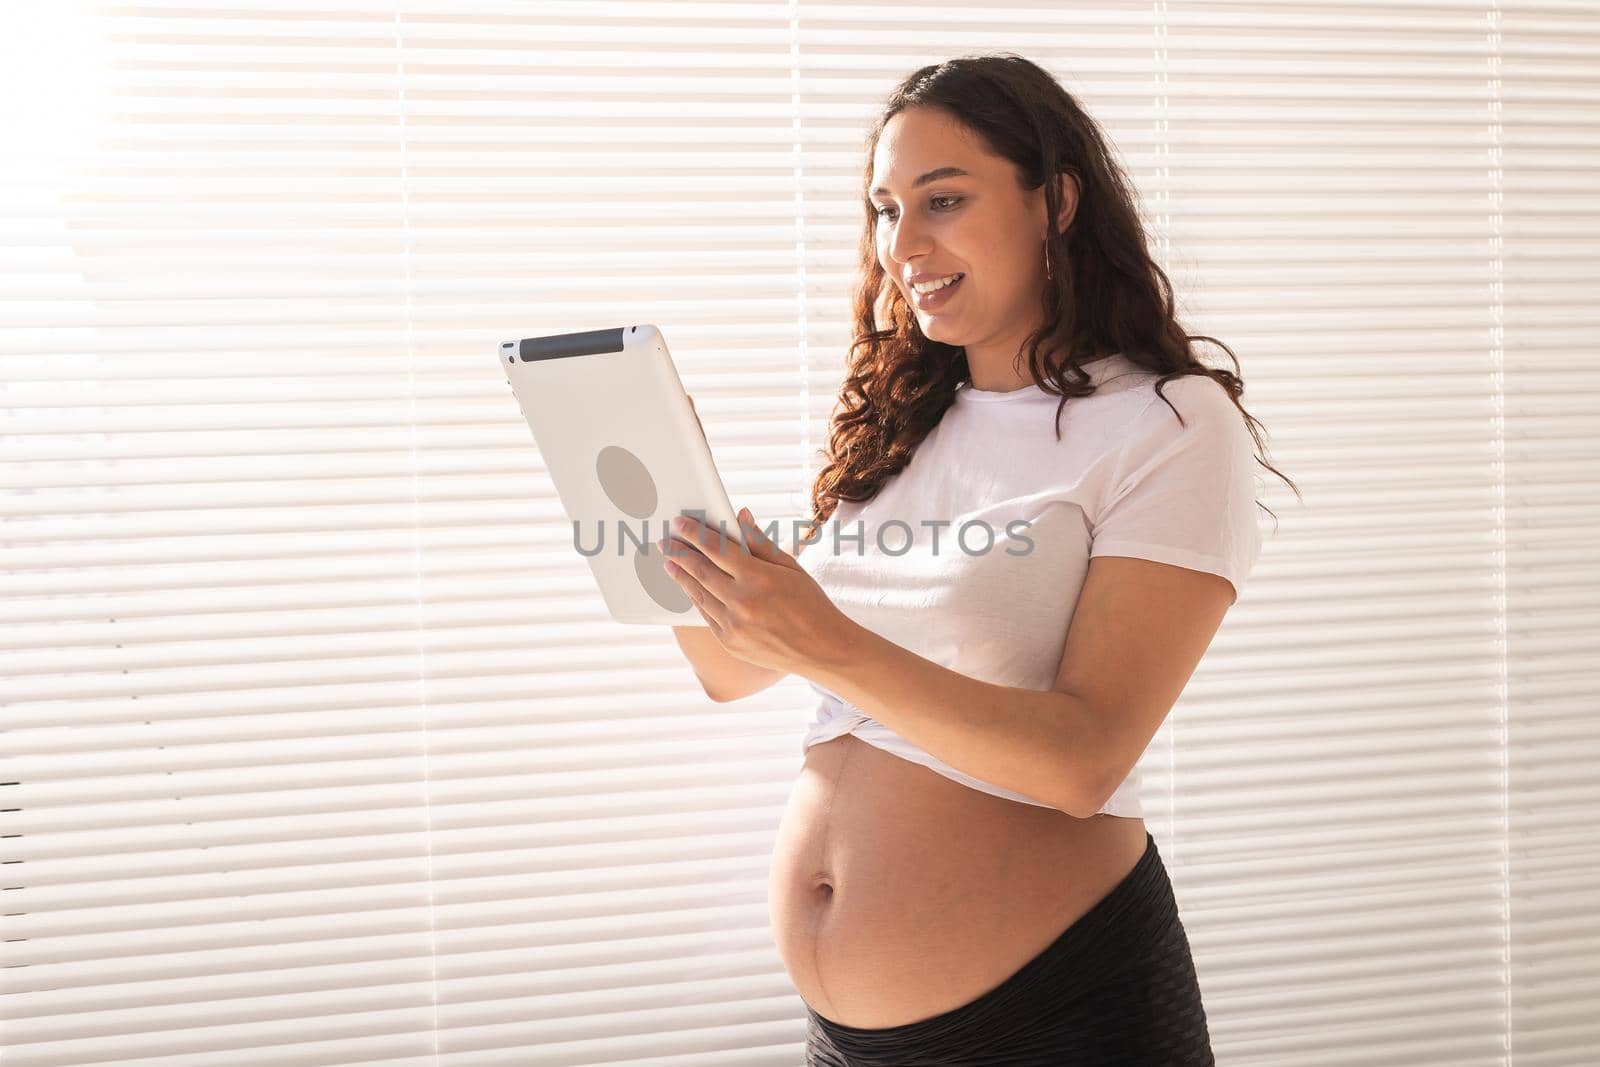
{"x":957,"y":276}
{"x":938,"y":296}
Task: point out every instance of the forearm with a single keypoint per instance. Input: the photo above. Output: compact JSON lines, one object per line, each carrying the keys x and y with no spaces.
{"x":722,"y":675}
{"x":1034,"y":742}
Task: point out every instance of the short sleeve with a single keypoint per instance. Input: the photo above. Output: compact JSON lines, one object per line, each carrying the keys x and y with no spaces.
{"x":1185,"y":494}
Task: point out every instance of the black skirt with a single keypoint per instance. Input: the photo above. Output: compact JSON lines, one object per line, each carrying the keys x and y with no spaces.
{"x":1117,"y":988}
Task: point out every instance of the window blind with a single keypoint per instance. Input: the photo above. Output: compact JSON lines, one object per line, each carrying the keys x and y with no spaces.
{"x":320,"y":746}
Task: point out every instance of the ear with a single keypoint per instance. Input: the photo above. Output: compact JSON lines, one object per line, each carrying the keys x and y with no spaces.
{"x":1067,"y":184}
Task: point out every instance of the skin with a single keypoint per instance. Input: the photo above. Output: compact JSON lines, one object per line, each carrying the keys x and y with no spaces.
{"x":983,"y":224}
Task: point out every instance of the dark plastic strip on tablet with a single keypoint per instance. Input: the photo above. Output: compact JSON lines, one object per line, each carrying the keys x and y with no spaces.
{"x":562,"y":345}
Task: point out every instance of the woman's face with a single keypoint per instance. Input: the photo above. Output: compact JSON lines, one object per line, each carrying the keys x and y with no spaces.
{"x":979,"y":224}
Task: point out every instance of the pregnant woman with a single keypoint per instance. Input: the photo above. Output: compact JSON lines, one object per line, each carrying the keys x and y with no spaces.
{"x":1037,"y":507}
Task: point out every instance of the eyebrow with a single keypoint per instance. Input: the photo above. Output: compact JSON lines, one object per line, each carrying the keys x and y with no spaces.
{"x":931,"y":176}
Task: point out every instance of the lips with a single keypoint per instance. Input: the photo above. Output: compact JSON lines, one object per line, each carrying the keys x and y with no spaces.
{"x":938,"y":296}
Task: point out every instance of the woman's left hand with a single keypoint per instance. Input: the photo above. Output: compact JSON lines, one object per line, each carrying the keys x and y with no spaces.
{"x":759,"y":602}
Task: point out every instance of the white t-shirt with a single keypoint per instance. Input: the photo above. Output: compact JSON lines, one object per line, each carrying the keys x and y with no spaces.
{"x":973,"y":556}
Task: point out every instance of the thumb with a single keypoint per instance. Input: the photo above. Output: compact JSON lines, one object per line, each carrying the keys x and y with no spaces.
{"x":759,"y":544}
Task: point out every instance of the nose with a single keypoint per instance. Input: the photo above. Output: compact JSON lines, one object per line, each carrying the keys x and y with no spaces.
{"x":905,"y":243}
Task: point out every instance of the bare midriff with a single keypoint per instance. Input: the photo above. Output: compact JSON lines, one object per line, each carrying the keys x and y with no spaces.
{"x":897,"y":894}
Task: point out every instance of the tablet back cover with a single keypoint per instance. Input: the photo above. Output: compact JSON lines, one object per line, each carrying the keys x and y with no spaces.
{"x":626,"y":455}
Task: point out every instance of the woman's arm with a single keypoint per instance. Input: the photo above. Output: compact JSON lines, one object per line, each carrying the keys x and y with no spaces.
{"x":722,"y":675}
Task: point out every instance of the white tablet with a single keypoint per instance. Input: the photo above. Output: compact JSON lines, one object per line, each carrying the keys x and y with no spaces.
{"x":626,"y":455}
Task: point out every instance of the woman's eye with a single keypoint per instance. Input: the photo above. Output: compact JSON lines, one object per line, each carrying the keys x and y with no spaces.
{"x":954,"y":200}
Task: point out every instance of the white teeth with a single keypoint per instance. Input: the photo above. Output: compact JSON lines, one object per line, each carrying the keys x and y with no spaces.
{"x":928,"y":287}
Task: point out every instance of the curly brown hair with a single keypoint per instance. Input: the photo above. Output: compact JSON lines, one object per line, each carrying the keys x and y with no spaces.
{"x":1111,"y":299}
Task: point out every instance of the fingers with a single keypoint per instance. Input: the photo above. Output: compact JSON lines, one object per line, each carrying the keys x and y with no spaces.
{"x":705,"y":601}
{"x":710,"y":542}
{"x":755,"y":538}
{"x":760,"y":545}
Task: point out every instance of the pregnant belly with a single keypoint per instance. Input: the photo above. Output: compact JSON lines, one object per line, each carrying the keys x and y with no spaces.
{"x":897,"y":894}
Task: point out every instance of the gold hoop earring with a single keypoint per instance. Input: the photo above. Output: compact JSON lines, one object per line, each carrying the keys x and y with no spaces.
{"x":1047,"y":259}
